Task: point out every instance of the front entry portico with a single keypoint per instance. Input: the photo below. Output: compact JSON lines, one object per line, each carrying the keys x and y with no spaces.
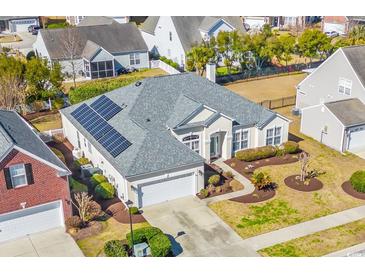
{"x":216,"y":142}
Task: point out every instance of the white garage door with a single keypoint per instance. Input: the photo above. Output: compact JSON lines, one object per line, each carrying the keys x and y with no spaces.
{"x":22,"y":25}
{"x":357,"y":139}
{"x":167,"y":189}
{"x":30,"y":220}
{"x":328,"y":27}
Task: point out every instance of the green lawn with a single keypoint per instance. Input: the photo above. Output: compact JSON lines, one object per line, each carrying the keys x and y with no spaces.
{"x":289,"y":206}
{"x":224,"y":71}
{"x":320,"y":243}
{"x":112,"y":230}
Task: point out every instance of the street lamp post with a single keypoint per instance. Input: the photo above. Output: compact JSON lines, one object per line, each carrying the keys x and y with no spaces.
{"x":129,"y":203}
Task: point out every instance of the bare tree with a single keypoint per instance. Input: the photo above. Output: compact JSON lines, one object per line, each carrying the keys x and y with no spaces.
{"x":12,"y":84}
{"x":304,"y":163}
{"x":70,"y":49}
{"x":87,"y":208}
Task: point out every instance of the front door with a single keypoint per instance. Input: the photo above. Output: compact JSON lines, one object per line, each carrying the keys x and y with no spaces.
{"x":214,"y":146}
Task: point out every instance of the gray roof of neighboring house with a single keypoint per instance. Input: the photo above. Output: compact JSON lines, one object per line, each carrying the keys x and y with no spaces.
{"x":115,"y":38}
{"x":14,"y":130}
{"x":96,"y":21}
{"x":90,"y":49}
{"x":7,"y":18}
{"x":188,"y":27}
{"x":357,"y":18}
{"x":350,"y":112}
{"x":356,"y":57}
{"x":159,"y":103}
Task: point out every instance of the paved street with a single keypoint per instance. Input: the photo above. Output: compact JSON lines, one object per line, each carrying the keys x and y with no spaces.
{"x":202,"y":233}
{"x":23,"y":46}
{"x":51,"y":243}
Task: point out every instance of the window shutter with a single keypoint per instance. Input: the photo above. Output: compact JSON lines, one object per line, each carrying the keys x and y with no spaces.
{"x":7,"y":175}
{"x":29,"y":173}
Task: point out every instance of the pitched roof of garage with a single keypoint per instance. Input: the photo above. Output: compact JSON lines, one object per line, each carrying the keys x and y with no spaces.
{"x":355,"y":55}
{"x":160,"y":103}
{"x":351,"y":112}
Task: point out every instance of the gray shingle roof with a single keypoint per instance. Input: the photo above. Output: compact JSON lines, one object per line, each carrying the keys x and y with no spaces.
{"x":7,"y":18}
{"x":350,"y":112}
{"x":90,"y":49}
{"x":96,"y":21}
{"x":115,"y":38}
{"x":159,"y":103}
{"x":356,"y":57}
{"x":188,"y":27}
{"x":14,"y":130}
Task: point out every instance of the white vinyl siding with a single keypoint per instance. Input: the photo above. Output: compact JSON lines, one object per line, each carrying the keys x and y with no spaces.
{"x":18,"y":175}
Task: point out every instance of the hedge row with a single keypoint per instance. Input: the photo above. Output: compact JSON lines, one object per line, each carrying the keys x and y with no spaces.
{"x":259,"y":153}
{"x":97,"y":87}
{"x":159,"y":243}
{"x":169,"y":62}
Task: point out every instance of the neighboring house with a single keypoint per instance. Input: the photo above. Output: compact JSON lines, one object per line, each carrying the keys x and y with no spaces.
{"x":174,"y":36}
{"x":17,"y":23}
{"x":152,"y":138}
{"x":255,"y":22}
{"x":34,"y":189}
{"x":293,"y":22}
{"x":95,"y":20}
{"x":331,"y":100}
{"x":100,"y":51}
{"x":341,"y":24}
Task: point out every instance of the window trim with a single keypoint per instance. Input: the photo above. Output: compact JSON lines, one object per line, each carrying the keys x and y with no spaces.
{"x":11,"y":168}
{"x":241,"y":140}
{"x":345,"y":84}
{"x":272,"y":143}
{"x":134,"y":59}
{"x":192,"y":140}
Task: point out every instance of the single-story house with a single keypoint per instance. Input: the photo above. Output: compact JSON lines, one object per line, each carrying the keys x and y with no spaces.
{"x":341,"y":24}
{"x":17,"y":23}
{"x":152,"y":138}
{"x":95,"y":51}
{"x":174,"y":36}
{"x":338,"y":84}
{"x":95,"y":20}
{"x":34,"y":189}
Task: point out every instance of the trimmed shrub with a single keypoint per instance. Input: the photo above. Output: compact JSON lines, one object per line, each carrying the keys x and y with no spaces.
{"x":58,"y":103}
{"x":204,"y":193}
{"x":291,"y":147}
{"x":214,"y":179}
{"x":358,"y":180}
{"x":97,"y":87}
{"x":143,"y":234}
{"x":105,"y":190}
{"x":261,"y":180}
{"x":73,"y":222}
{"x":115,"y":248}
{"x":76,"y":186}
{"x":254,"y":154}
{"x":228,"y":174}
{"x":97,"y":179}
{"x":169,"y":62}
{"x":160,"y":246}
{"x":82,"y":161}
{"x":134,"y":210}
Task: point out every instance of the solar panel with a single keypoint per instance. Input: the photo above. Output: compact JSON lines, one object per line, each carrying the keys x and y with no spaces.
{"x":106,"y":107}
{"x":105,"y":134}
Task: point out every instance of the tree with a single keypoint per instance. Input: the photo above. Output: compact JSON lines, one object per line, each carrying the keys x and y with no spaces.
{"x":283,"y":48}
{"x":304,"y":164}
{"x":56,"y":76}
{"x":357,"y":35}
{"x":70,"y":49}
{"x":12,"y":82}
{"x":200,"y":55}
{"x":86,"y":207}
{"x":37,"y":75}
{"x":228,"y":45}
{"x":313,"y":42}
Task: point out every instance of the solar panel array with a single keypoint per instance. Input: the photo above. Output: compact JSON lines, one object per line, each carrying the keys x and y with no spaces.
{"x":106,"y":107}
{"x":91,"y":119}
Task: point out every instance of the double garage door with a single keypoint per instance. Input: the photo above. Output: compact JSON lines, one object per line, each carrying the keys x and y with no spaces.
{"x":356,"y":139}
{"x":30,"y":220}
{"x":167,"y":189}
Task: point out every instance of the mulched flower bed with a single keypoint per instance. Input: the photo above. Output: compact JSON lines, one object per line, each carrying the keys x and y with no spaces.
{"x":93,"y":228}
{"x":347,"y":187}
{"x":247,"y":168}
{"x":256,"y":196}
{"x":294,"y":182}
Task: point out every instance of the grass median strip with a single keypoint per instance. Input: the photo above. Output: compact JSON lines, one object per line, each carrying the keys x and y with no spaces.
{"x":320,"y":243}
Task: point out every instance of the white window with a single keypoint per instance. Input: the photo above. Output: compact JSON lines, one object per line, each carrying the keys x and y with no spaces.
{"x":192,"y":141}
{"x":344,"y":86}
{"x":18,"y":175}
{"x":170,"y":36}
{"x":240,"y":140}
{"x":89,"y":147}
{"x":273,"y":136}
{"x":134,"y":59}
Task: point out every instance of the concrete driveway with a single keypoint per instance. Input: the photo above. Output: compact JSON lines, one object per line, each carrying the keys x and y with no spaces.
{"x":51,"y":243}
{"x":195,"y":230}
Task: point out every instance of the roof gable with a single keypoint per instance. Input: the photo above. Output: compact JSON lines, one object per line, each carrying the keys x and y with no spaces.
{"x":356,"y":57}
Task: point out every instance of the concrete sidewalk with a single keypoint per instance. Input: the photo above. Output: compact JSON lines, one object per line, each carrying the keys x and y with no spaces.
{"x":306,"y":228}
{"x":353,"y":251}
{"x":248,"y":186}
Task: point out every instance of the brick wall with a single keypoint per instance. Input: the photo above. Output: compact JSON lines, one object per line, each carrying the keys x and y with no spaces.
{"x":47,"y":186}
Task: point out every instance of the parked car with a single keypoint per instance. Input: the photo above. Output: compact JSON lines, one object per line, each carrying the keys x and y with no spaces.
{"x":332,"y":33}
{"x":126,"y":70}
{"x":34,"y":32}
{"x":31,"y":28}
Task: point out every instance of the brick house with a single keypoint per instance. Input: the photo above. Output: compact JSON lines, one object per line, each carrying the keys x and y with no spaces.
{"x":34,"y":190}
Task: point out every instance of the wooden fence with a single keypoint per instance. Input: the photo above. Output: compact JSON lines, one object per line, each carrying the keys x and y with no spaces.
{"x":279,"y":103}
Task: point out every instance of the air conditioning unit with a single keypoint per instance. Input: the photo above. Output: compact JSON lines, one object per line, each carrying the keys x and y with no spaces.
{"x":88,"y":170}
{"x":141,"y":250}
